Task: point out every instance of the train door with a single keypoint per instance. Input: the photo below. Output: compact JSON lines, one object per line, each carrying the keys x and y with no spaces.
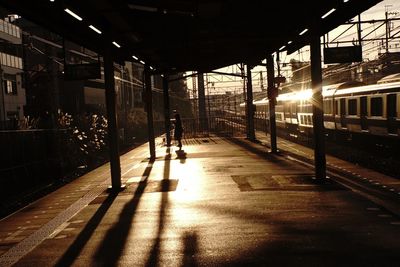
{"x":343,"y":113}
{"x":391,"y":113}
{"x":363,"y":113}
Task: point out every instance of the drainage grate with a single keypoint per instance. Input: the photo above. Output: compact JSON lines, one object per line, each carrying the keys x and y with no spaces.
{"x":25,"y":246}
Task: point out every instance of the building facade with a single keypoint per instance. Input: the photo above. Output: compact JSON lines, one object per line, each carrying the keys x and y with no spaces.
{"x":12,"y":97}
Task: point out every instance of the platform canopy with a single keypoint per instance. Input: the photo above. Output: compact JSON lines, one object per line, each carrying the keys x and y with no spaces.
{"x":183,"y":35}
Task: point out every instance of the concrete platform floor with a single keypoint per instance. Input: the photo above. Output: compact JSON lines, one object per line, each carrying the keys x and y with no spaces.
{"x":215,"y":204}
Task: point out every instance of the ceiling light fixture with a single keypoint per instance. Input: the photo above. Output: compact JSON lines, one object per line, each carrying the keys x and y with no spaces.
{"x":94,"y":29}
{"x":143,"y":8}
{"x":116,"y":44}
{"x":303,"y":32}
{"x":328,"y":13}
{"x":73,"y":14}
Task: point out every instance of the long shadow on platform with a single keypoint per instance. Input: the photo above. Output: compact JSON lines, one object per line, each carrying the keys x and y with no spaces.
{"x":258,"y":150}
{"x":191,"y":248}
{"x":114,"y":241}
{"x":165,"y":186}
{"x":75,"y":248}
{"x":307,"y":241}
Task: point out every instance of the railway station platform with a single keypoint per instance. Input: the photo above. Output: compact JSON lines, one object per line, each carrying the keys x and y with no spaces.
{"x":219,"y":202}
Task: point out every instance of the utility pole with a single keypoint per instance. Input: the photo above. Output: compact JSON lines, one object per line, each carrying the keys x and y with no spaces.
{"x":387,"y":31}
{"x":235,"y":102}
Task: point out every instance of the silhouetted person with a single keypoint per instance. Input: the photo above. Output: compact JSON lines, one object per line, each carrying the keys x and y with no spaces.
{"x":178,"y":129}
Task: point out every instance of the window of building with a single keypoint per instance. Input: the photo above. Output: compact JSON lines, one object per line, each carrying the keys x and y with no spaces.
{"x":8,"y":60}
{"x":3,"y":59}
{"x":376,"y":106}
{"x":9,"y":29}
{"x":12,"y":61}
{"x":10,"y":87}
{"x":352,"y":107}
{"x":10,"y":84}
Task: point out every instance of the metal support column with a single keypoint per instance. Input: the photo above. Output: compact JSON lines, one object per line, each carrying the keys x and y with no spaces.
{"x":3,"y":114}
{"x":149,"y":110}
{"x":249,"y":106}
{"x":112,"y":122}
{"x":166,"y":111}
{"x":202,"y":102}
{"x":272,"y":102}
{"x":317,"y":102}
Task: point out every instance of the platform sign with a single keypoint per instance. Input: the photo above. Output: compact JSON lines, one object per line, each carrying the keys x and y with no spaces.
{"x":344,"y":54}
{"x":82,"y":71}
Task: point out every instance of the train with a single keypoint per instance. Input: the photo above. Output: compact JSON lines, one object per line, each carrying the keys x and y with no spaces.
{"x":350,"y":107}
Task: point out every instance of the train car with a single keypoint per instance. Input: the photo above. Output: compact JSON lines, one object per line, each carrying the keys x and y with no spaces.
{"x":370,"y":109}
{"x":366,"y":109}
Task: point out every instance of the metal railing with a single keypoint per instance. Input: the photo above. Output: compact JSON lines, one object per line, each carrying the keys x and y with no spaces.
{"x":196,"y":127}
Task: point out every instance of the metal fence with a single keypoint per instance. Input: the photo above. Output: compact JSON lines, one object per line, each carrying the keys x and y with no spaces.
{"x":9,"y":125}
{"x":28,"y":159}
{"x":219,"y":125}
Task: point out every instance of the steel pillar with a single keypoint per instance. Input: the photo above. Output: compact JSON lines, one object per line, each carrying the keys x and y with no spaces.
{"x":166,"y":111}
{"x":202,"y":102}
{"x":112,"y":122}
{"x":317,"y":102}
{"x":272,"y":102}
{"x":249,"y":106}
{"x":149,"y":110}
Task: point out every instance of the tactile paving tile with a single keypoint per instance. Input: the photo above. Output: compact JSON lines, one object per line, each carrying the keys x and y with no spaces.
{"x":29,"y":243}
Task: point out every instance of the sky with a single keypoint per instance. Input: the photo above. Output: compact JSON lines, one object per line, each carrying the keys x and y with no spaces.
{"x":221,"y":84}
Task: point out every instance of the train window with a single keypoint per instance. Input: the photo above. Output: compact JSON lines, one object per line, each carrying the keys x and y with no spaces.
{"x":352,"y":107}
{"x":328,"y":106}
{"x":286,"y":109}
{"x":376,"y":106}
{"x":391,"y":105}
{"x":342,"y":107}
{"x":363,"y":106}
